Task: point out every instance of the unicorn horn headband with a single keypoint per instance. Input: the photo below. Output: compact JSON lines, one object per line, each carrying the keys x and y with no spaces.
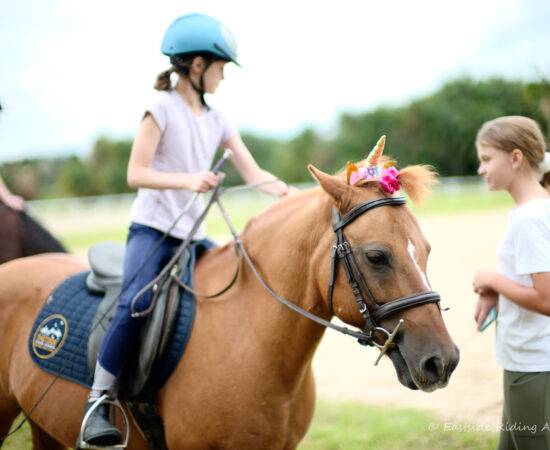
{"x":376,"y":152}
{"x":387,"y":175}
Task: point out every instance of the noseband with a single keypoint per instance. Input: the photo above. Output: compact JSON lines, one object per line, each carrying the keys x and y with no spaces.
{"x":342,"y":251}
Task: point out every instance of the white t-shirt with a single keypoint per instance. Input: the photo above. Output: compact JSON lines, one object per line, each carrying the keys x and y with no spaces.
{"x":523,"y":336}
{"x":188,"y":144}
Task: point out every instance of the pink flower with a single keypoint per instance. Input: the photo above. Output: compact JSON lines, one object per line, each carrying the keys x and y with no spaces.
{"x":389,"y":181}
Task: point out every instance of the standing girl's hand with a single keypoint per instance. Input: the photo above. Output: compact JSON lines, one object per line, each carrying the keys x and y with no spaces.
{"x":483,"y":280}
{"x":487,"y":299}
{"x":202,"y":182}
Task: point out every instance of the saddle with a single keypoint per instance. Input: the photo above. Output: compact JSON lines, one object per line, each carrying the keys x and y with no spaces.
{"x":105,"y":278}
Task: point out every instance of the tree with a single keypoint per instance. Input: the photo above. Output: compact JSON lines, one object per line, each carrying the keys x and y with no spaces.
{"x":438,"y":129}
{"x":107,"y":166}
{"x":75,"y":178}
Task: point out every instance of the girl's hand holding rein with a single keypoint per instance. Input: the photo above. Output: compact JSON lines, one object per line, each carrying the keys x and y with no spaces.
{"x":202,"y":182}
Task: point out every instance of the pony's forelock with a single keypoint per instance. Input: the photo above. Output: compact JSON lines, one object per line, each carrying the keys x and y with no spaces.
{"x":415,"y":180}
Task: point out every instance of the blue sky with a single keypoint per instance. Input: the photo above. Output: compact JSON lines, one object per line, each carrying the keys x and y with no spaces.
{"x":71,"y":71}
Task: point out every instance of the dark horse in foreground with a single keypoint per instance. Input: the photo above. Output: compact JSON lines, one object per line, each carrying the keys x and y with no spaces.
{"x":21,"y":235}
{"x":245,"y":380}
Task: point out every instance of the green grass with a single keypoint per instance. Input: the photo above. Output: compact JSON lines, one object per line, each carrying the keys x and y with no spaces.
{"x":355,"y":426}
{"x":78,"y":240}
{"x":22,"y":439}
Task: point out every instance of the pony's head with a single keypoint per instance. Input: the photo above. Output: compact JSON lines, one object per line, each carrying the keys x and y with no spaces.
{"x":391,"y":254}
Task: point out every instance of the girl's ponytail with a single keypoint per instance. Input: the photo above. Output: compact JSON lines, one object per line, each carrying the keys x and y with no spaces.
{"x":543,"y":171}
{"x":164,"y":82}
{"x":546,"y":180}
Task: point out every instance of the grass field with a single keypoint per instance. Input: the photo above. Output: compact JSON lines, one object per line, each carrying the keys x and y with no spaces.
{"x":356,"y":426}
{"x":336,"y":425}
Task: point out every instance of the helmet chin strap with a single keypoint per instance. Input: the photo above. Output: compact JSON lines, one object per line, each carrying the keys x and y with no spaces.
{"x":176,"y":60}
{"x":200,"y":89}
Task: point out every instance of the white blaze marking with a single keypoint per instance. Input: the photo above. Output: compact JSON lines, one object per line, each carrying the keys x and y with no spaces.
{"x":412,"y":252}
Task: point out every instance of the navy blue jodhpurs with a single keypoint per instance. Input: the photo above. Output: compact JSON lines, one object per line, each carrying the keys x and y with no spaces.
{"x":123,"y":331}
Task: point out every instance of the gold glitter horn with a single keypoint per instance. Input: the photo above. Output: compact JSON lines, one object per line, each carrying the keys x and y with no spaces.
{"x":374,"y":155}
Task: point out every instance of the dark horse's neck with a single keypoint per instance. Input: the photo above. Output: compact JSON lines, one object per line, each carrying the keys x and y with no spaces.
{"x":21,"y":235}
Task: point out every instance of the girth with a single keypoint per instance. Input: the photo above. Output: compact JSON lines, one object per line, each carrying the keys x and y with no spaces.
{"x":342,"y":251}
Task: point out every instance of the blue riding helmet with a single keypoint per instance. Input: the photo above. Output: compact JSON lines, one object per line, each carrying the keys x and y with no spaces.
{"x":196,"y":32}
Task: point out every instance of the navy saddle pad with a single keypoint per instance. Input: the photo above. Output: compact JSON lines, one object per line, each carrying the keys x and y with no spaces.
{"x":59,"y":336}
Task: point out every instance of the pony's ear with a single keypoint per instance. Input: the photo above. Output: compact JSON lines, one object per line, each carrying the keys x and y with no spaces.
{"x":340,"y":192}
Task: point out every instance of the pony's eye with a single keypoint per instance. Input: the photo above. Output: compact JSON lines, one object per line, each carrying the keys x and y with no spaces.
{"x":376,"y":257}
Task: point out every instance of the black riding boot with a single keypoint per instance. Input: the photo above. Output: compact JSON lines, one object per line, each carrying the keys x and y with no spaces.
{"x":99,"y":430}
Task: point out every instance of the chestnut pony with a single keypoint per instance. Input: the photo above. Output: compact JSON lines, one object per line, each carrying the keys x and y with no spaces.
{"x":245,"y":379}
{"x":21,"y":235}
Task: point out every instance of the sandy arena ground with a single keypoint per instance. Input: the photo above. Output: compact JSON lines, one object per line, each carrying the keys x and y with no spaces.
{"x":460,"y":243}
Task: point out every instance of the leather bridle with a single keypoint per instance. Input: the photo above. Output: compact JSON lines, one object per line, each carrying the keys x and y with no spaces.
{"x":343,"y":252}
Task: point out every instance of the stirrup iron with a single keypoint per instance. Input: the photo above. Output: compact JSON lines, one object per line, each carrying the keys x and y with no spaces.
{"x":81,"y":444}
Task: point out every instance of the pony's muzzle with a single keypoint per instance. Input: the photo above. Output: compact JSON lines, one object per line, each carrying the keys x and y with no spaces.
{"x":437,"y":369}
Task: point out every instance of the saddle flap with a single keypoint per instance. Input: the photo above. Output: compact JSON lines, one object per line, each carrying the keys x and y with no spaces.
{"x":154,"y":334}
{"x":78,"y":313}
{"x":157,"y":329}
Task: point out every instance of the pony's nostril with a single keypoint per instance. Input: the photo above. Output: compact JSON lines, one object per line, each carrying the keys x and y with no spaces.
{"x":432,"y":368}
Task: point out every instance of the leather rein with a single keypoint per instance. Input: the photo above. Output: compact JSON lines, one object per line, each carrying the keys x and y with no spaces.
{"x":341,"y":251}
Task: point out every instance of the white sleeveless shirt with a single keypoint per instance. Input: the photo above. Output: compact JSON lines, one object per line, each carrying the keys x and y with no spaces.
{"x":523,"y":336}
{"x":187,"y":145}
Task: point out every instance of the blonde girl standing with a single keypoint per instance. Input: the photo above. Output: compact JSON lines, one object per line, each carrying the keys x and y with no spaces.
{"x":513,"y":157}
